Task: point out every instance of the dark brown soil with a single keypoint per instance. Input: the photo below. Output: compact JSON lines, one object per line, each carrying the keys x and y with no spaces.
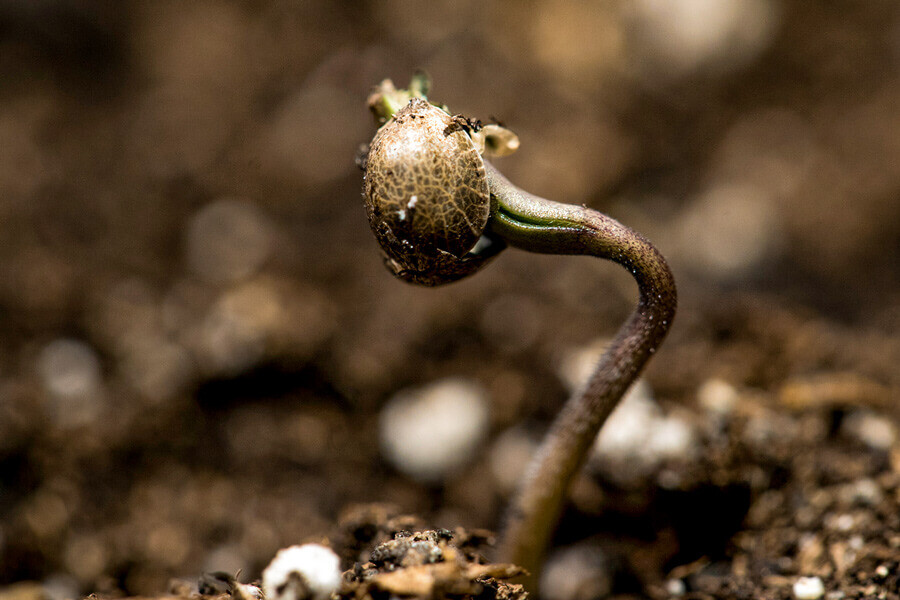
{"x":198,"y":338}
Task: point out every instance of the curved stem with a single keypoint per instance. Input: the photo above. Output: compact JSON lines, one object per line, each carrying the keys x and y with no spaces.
{"x":538,"y":225}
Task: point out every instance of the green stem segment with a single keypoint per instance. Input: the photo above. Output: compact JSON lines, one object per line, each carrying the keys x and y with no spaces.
{"x":538,"y":225}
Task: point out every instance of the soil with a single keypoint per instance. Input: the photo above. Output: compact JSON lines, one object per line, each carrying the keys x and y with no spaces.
{"x":198,"y":337}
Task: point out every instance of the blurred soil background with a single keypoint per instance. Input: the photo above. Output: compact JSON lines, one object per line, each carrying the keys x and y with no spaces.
{"x":203,"y":360}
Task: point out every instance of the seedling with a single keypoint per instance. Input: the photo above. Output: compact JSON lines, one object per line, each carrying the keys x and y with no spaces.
{"x":441,"y":212}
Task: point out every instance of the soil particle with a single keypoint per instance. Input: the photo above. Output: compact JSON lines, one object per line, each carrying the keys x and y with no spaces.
{"x":393,"y":553}
{"x":430,"y":564}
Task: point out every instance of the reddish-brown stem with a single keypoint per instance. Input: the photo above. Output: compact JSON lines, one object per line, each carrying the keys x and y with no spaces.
{"x":538,"y":225}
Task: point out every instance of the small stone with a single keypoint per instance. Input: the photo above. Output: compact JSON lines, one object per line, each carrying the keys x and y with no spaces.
{"x":228,"y":240}
{"x":578,"y":364}
{"x":863,"y":491}
{"x":639,"y":437}
{"x":61,"y":586}
{"x":729,"y":231}
{"x":808,"y":588}
{"x":70,"y":372}
{"x":882,"y":571}
{"x":410,"y":550}
{"x":717,"y":396}
{"x":844,"y":522}
{"x":627,"y":431}
{"x":673,"y":39}
{"x":579,"y":572}
{"x":69,"y":368}
{"x":672,"y":439}
{"x":676,"y":587}
{"x":510,"y":455}
{"x":307,"y":572}
{"x":875,"y":431}
{"x":430,"y":432}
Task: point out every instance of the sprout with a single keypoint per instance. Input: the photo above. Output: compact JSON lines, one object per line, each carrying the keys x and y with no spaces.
{"x":465,"y":212}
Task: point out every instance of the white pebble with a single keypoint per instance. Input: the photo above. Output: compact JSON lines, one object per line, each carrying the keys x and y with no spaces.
{"x":627,"y":432}
{"x":688,"y":34}
{"x":228,"y":240}
{"x":672,"y":438}
{"x":70,"y":372}
{"x":808,"y":588}
{"x":639,"y":436}
{"x":875,"y":431}
{"x":576,"y":573}
{"x":429,"y":432}
{"x":307,"y":572}
{"x":842,"y":522}
{"x":717,"y":396}
{"x":61,"y":586}
{"x":862,"y":491}
{"x":729,"y":231}
{"x":676,"y":587}
{"x":577,"y":366}
{"x":69,"y":368}
{"x":510,"y":455}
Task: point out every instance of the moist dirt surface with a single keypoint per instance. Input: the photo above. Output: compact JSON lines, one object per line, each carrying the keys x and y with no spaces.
{"x":203,"y":359}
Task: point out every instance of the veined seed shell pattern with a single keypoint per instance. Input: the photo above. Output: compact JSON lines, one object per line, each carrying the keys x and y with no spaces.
{"x":426,"y":195}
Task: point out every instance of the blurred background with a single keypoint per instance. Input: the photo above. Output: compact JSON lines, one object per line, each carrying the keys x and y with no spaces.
{"x":202,"y":357}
